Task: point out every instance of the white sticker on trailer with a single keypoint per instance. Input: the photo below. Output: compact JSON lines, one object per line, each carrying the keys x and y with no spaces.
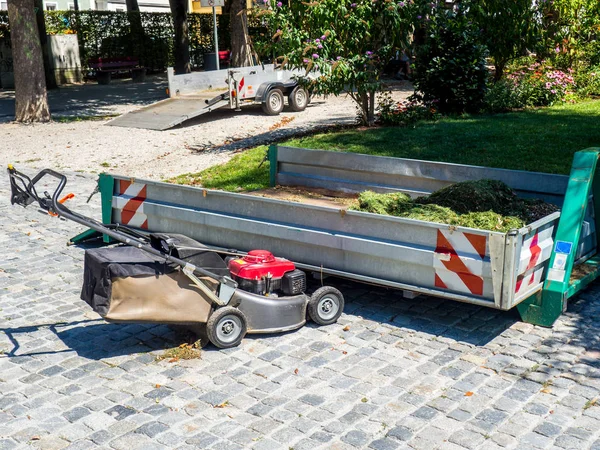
{"x":556,"y":275}
{"x":560,"y":261}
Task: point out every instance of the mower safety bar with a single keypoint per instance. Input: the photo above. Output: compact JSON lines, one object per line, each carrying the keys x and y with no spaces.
{"x":23,"y":193}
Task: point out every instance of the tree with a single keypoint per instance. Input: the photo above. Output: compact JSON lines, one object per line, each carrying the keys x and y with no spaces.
{"x":241,"y":50}
{"x":137,"y":29}
{"x":41,"y":23}
{"x":31,"y":100}
{"x":179,"y":9}
{"x":509,"y":28}
{"x":450,"y":69}
{"x":346,"y":44}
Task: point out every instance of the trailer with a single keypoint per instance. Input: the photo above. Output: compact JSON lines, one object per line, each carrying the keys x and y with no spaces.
{"x":531,"y":268}
{"x":197,"y":93}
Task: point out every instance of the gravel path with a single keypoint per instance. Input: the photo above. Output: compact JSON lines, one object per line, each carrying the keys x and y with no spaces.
{"x":89,"y":146}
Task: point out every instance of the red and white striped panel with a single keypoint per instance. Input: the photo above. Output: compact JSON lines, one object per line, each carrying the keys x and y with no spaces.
{"x":458,"y":261}
{"x":129,"y":199}
{"x":241,"y":85}
{"x":535,"y":251}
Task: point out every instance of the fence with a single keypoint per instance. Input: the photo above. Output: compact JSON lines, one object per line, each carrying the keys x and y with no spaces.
{"x":107,"y":34}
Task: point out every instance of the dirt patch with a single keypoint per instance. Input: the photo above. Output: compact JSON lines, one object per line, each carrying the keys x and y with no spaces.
{"x":310,"y":196}
{"x":483,"y":204}
{"x":580,"y":271}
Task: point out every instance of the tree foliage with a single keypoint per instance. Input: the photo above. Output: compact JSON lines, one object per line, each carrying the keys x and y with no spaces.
{"x":450,"y":65}
{"x":346,"y":43}
{"x":509,"y":28}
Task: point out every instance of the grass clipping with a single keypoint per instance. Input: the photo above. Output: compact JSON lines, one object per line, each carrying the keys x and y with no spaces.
{"x":483,"y":204}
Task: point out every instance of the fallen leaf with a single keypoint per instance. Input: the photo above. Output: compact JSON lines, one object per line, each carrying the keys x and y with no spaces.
{"x":222,"y":405}
{"x":35,"y":438}
{"x":344,"y":352}
{"x":157,"y":386}
{"x":346,"y":328}
{"x":468,"y":394}
{"x":172,"y":360}
{"x":296,"y":371}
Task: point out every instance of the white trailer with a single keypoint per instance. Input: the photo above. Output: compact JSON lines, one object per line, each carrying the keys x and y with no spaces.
{"x":197,"y":93}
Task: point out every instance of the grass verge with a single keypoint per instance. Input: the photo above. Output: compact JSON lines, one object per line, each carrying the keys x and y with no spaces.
{"x":540,"y":140}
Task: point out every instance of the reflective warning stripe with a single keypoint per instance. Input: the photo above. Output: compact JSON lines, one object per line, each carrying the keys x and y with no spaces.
{"x":535,"y":251}
{"x":130,"y":201}
{"x":241,"y":92}
{"x":458,"y":261}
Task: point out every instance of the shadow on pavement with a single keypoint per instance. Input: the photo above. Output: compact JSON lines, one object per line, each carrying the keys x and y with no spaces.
{"x":474,"y":325}
{"x":92,"y":99}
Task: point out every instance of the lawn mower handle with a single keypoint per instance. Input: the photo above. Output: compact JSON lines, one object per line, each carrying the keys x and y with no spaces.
{"x":26,"y":194}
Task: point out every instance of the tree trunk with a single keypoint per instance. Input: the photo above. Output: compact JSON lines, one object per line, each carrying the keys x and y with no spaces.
{"x":179,"y":9}
{"x":241,"y":51}
{"x":31,"y":99}
{"x":499,"y":70}
{"x":41,"y":23}
{"x":137,"y":30}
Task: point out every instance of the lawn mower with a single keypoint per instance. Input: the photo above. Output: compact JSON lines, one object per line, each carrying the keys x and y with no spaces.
{"x":173,"y":279}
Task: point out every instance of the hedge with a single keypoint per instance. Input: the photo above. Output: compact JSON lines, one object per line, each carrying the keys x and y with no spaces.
{"x":107,"y":34}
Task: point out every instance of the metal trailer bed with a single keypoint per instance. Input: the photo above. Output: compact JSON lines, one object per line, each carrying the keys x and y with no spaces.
{"x":529,"y":268}
{"x":194,"y":94}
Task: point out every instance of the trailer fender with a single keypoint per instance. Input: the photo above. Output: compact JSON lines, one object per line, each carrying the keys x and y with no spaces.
{"x":264,"y":88}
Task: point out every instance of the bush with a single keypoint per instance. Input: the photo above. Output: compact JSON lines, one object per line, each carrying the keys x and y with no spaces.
{"x":450,"y":65}
{"x":502,"y":96}
{"x":537,"y":84}
{"x":588,"y":82}
{"x":404,"y":113}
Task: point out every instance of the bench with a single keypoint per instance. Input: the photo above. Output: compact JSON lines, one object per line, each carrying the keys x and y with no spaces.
{"x":104,"y":67}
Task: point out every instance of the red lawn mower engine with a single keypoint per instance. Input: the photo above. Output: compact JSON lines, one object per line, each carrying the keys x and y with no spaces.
{"x":259,"y":272}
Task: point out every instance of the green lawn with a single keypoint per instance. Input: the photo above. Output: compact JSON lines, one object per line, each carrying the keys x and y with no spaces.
{"x":541,"y":140}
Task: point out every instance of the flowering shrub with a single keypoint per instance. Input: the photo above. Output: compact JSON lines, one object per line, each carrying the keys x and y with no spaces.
{"x":541,"y":85}
{"x":536,"y":84}
{"x":345,"y":44}
{"x":405,"y":113}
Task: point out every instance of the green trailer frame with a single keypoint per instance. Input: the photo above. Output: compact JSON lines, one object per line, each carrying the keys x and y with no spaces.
{"x":545,"y":306}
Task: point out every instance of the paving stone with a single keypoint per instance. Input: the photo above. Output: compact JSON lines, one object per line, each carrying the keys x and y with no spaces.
{"x":401,"y":433}
{"x":151,"y":429}
{"x":355,"y":438}
{"x":76,"y":414}
{"x":384,"y":444}
{"x":548,"y":429}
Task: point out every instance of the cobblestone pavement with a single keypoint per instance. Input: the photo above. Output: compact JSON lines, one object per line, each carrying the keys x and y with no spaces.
{"x":393,"y":373}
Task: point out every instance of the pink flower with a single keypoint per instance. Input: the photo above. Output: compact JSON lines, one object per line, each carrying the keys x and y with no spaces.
{"x":553,"y":91}
{"x":279,"y":4}
{"x":323,"y":37}
{"x":315,"y":55}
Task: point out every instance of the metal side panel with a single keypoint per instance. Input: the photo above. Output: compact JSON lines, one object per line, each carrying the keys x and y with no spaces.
{"x":351,"y":171}
{"x":167,"y":113}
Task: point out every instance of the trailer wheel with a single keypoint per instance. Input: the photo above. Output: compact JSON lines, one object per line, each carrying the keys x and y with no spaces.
{"x":226,"y":327}
{"x":273,"y":103}
{"x":326,"y":305}
{"x":298,"y":99}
